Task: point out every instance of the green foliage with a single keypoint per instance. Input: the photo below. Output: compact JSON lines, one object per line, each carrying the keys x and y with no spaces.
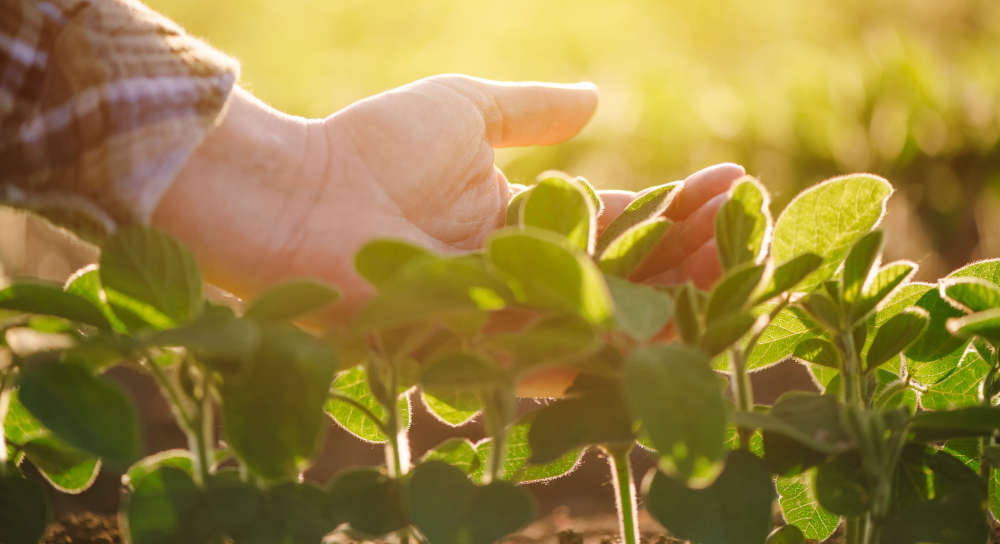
{"x":368,"y":500}
{"x":743,"y":224}
{"x":291,"y":299}
{"x":561,"y":206}
{"x":801,"y":508}
{"x":24,"y":510}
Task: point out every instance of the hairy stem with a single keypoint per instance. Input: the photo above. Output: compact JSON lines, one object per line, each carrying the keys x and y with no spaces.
{"x":625,"y":496}
{"x":742,"y":390}
{"x":851,"y":378}
{"x":498,"y":412}
{"x":201,"y":439}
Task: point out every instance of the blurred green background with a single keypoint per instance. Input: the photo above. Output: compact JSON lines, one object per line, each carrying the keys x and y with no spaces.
{"x":796,"y":91}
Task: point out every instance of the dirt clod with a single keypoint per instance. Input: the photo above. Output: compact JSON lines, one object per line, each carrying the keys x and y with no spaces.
{"x":85,"y":528}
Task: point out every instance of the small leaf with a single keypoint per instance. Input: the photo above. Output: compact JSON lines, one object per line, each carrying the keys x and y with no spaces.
{"x":936,"y":342}
{"x":789,"y":534}
{"x":517,"y":467}
{"x":461,"y":372}
{"x":20,"y":427}
{"x":24,"y":510}
{"x":454,"y":408}
{"x":68,"y":469}
{"x":736,"y":508}
{"x":515,"y":208}
{"x":562,"y":207}
{"x":215,"y":335}
{"x":970,"y":294}
{"x":543,"y":272}
{"x":368,"y":500}
{"x":86,"y":411}
{"x":687,"y":314}
{"x":788,"y":275}
{"x":895,"y":335}
{"x":379,"y":261}
{"x":985,"y":325}
{"x":49,"y":299}
{"x":841,"y":488}
{"x":289,"y":513}
{"x":623,"y":256}
{"x":449,"y":509}
{"x":797,"y":497}
{"x":664,"y":385}
{"x":828,"y":219}
{"x":588,"y":189}
{"x":823,"y":309}
{"x":881,"y":287}
{"x":596,"y":416}
{"x":175,"y":458}
{"x":647,"y":206}
{"x":164,"y":508}
{"x":782,"y":334}
{"x":723,"y":333}
{"x":860,"y":264}
{"x":732,"y":293}
{"x":641,"y":311}
{"x":559,"y":339}
{"x":800,"y":431}
{"x":988,"y":269}
{"x":743,"y":224}
{"x":818,"y":351}
{"x":457,"y":452}
{"x":291,"y":299}
{"x":279,"y":395}
{"x":153,"y":269}
{"x":961,"y":387}
{"x":942,"y":425}
{"x":353,"y":383}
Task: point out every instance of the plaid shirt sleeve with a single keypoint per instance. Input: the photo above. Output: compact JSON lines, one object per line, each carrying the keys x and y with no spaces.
{"x":101,"y":104}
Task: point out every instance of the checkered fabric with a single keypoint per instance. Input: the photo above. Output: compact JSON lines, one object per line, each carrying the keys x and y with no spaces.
{"x":101,"y":103}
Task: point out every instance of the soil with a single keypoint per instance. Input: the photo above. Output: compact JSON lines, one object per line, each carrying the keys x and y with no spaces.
{"x":84,"y":528}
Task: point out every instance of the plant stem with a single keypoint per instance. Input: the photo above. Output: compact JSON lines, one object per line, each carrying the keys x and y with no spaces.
{"x":4,"y":404}
{"x":498,"y":411}
{"x":203,"y":435}
{"x":854,"y":530}
{"x":625,"y":496}
{"x":853,"y":395}
{"x":742,"y":390}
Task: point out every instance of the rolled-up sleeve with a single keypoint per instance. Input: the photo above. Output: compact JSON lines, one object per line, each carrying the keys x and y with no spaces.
{"x":101,"y":104}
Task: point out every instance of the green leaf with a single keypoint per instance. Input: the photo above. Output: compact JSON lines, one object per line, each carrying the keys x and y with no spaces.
{"x":543,"y":272}
{"x":379,"y":261}
{"x":736,"y":508}
{"x":895,"y":335}
{"x":961,"y":387}
{"x":461,"y":372}
{"x":881,"y":288}
{"x":517,"y":467}
{"x":24,"y":510}
{"x":789,"y":328}
{"x":515,"y":208}
{"x":787,"y":276}
{"x":152,"y":269}
{"x":641,"y":311}
{"x":278,"y":395}
{"x":860,"y":264}
{"x":20,"y":427}
{"x":588,"y":189}
{"x":68,"y":469}
{"x":797,"y":497}
{"x":934,"y":371}
{"x":368,"y":500}
{"x":449,"y":509}
{"x":44,"y":298}
{"x":289,"y":513}
{"x":454,"y":408}
{"x":560,"y":206}
{"x":86,"y":283}
{"x":433,"y":288}
{"x":985,"y":325}
{"x":970,"y":294}
{"x":823,"y":309}
{"x":689,"y":324}
{"x":968,"y":421}
{"x":291,"y":299}
{"x":828,"y":219}
{"x":723,"y":333}
{"x":936,"y":341}
{"x":174,"y":458}
{"x":215,"y":336}
{"x":353,"y":383}
{"x":732,"y":293}
{"x":649,"y":205}
{"x":664,"y":385}
{"x":788,"y":534}
{"x":818,"y":351}
{"x":164,"y":508}
{"x":457,"y":452}
{"x":594,"y":416}
{"x":624,"y":255}
{"x":800,"y":431}
{"x":743,"y":224}
{"x":988,"y":270}
{"x":86,"y":411}
{"x":840,"y":486}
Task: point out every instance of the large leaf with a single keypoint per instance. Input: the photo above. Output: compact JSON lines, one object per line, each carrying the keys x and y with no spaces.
{"x":988,"y":270}
{"x":641,"y":311}
{"x":788,"y":329}
{"x":743,"y":224}
{"x":623,"y":256}
{"x":544,"y":272}
{"x":84,"y":410}
{"x":596,"y":415}
{"x":216,"y":336}
{"x":288,"y":513}
{"x":291,"y":299}
{"x":985,"y":325}
{"x":802,"y":429}
{"x":44,"y":298}
{"x":20,"y":427}
{"x":449,"y":509}
{"x":68,"y":469}
{"x":86,"y":283}
{"x":24,"y":510}
{"x":454,"y":408}
{"x":733,"y":291}
{"x":145,"y":267}
{"x":368,"y":500}
{"x":970,"y":294}
{"x":961,"y":387}
{"x":517,"y":455}
{"x":880,"y":288}
{"x":280,"y":395}
{"x":797,"y":497}
{"x":828,"y":219}
{"x":787,"y":276}
{"x":164,"y":508}
{"x":457,"y":452}
{"x":379,"y":261}
{"x":353,"y":383}
{"x":560,"y":206}
{"x":895,"y":335}
{"x":649,"y":205}
{"x":736,"y":508}
{"x":664,"y":386}
{"x":936,"y":341}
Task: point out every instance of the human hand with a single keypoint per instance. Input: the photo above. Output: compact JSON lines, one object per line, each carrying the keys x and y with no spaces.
{"x":269,"y":197}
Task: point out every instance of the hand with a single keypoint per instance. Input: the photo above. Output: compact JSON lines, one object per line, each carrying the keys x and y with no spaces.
{"x":268,"y":196}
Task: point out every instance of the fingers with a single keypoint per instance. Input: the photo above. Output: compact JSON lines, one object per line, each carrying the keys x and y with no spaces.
{"x":615,"y":203}
{"x":701,"y":186}
{"x":702,"y":267}
{"x":682,"y":239}
{"x":520,"y":114}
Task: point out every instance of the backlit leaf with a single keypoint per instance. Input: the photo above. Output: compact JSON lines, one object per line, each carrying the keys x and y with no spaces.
{"x":45,"y":298}
{"x":562,"y":207}
{"x":797,"y":497}
{"x":895,"y":335}
{"x":641,"y":311}
{"x":379,"y":261}
{"x":649,"y":205}
{"x":970,"y":294}
{"x":291,"y":299}
{"x":743,"y":224}
{"x":624,"y":255}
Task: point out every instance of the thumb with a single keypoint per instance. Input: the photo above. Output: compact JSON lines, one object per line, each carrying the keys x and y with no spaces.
{"x":520,"y":114}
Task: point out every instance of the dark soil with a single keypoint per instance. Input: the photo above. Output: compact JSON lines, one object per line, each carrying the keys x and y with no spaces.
{"x":84,"y":528}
